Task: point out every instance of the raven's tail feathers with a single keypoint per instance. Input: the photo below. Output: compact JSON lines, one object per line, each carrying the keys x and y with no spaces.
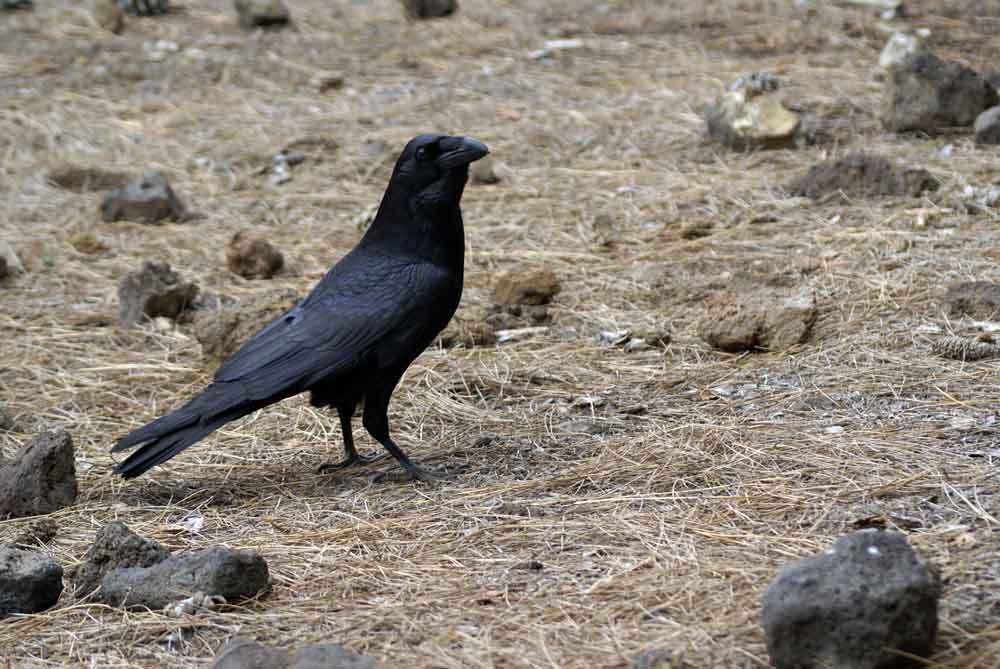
{"x":167,"y":436}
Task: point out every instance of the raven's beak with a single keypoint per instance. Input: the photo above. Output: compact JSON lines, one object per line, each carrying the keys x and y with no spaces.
{"x":459,"y":151}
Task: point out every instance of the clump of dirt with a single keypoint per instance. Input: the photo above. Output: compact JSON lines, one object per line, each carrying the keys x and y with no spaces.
{"x":37,"y":533}
{"x":530,"y":287}
{"x":153,"y":291}
{"x":253,"y":257}
{"x":978,"y":299}
{"x":753,"y":323}
{"x":862,"y":175}
{"x":222,"y":331}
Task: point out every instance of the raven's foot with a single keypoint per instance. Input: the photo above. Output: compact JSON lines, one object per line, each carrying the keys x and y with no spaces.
{"x":415,"y":473}
{"x":349,"y":461}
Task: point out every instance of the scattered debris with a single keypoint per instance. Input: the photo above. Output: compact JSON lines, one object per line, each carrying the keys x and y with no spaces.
{"x":108,"y":16}
{"x":429,"y":9}
{"x":194,"y":604}
{"x":525,"y":287}
{"x":85,"y":178}
{"x":927,"y":94}
{"x":262,"y":13}
{"x":148,"y":199}
{"x":977,"y":200}
{"x":87,"y":243}
{"x":750,"y":115}
{"x":253,"y":257}
{"x":987,"y":127}
{"x":483,"y":171}
{"x":899,"y":47}
{"x":978,"y":299}
{"x":144,"y":7}
{"x":862,"y":175}
{"x":504,"y":336}
{"x":41,"y":478}
{"x":10,"y":264}
{"x":29,"y":582}
{"x":114,"y":547}
{"x":555,"y":46}
{"x":759,"y":323}
{"x":863,"y":604}
{"x":637,"y":338}
{"x":963,"y":348}
{"x":155,"y":290}
{"x":242,"y":653}
{"x":222,"y":331}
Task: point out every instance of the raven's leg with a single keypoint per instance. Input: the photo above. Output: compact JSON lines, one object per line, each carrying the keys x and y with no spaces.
{"x":376,"y":421}
{"x":351,"y":455}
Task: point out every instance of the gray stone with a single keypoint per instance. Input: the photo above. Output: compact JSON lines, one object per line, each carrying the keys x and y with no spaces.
{"x":853,"y":606}
{"x":41,"y":478}
{"x":262,"y":13}
{"x":429,"y":9}
{"x":241,"y":653}
{"x":750,"y":115}
{"x":987,"y":126}
{"x":927,"y":94}
{"x":330,"y":656}
{"x":114,"y":547}
{"x":153,"y":291}
{"x":29,"y":582}
{"x":228,"y":573}
{"x":148,"y":199}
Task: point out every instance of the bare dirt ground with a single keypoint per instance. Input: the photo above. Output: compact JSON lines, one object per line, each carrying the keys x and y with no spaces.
{"x":605,"y":502}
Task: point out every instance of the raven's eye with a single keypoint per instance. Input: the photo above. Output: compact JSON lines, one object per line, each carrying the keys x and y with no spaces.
{"x":423,"y":154}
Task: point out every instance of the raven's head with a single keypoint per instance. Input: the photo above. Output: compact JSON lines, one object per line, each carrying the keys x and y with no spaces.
{"x":434,"y":168}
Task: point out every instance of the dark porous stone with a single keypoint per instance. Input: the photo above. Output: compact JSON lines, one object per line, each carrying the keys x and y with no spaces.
{"x":927,"y":94}
{"x":41,"y":478}
{"x":868,"y":603}
{"x":29,"y":582}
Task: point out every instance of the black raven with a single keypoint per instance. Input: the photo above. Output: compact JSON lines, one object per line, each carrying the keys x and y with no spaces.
{"x":359,"y":329}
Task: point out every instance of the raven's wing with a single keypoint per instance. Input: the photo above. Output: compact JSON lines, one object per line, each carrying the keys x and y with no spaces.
{"x":349,"y":314}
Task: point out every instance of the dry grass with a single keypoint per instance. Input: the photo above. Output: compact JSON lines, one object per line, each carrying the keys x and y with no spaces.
{"x":576,"y":533}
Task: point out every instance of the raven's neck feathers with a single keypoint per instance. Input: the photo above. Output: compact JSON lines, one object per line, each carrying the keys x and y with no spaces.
{"x":428,"y":229}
